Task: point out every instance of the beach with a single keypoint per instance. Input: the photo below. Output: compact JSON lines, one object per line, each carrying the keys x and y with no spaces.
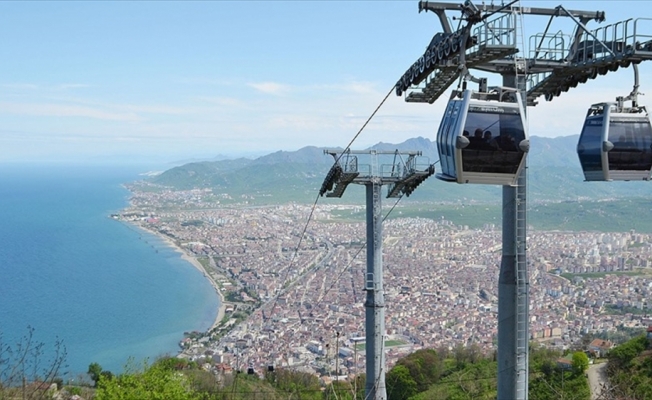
{"x":195,"y":263}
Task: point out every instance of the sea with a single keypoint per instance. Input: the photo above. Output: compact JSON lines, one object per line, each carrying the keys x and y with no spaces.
{"x":109,"y":292}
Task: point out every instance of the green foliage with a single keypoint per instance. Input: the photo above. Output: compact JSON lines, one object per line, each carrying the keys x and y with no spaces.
{"x":549,"y":382}
{"x":622,"y":334}
{"x":305,"y":384}
{"x":296,"y":176}
{"x":621,"y":356}
{"x":400,"y":384}
{"x":473,"y":381}
{"x":466,"y":373}
{"x":437,"y":374}
{"x":193,"y":222}
{"x":339,"y":390}
{"x":237,"y":387}
{"x":74,"y":390}
{"x":580,"y":362}
{"x":630,"y":369}
{"x":559,"y":385}
{"x":543,"y":358}
{"x":233,"y":297}
{"x":424,"y":366}
{"x":95,"y":371}
{"x":175,"y":363}
{"x":156,"y":382}
{"x":613,"y":309}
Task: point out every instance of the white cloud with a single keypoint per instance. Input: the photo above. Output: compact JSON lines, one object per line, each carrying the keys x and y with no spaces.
{"x":66,"y":86}
{"x":63,"y":110}
{"x":155,"y":109}
{"x":221,"y":101}
{"x":270,"y":87}
{"x":362,"y":87}
{"x":20,"y":86}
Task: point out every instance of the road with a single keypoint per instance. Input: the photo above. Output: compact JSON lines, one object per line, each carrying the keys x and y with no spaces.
{"x":597,"y":376}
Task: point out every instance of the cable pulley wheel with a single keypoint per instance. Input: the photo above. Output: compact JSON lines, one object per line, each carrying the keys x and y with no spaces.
{"x":455,"y":44}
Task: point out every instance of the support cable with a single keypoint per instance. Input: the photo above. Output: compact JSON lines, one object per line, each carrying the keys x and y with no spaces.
{"x":348,"y":266}
{"x":348,"y":146}
{"x":314,"y":205}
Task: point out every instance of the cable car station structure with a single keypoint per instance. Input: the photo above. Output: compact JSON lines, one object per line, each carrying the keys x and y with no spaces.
{"x":403,"y":174}
{"x":489,"y":38}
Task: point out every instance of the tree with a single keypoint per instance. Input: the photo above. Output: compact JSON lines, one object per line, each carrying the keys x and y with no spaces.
{"x":630,"y":370}
{"x":95,"y":371}
{"x":579,"y":362}
{"x":425,"y":367}
{"x":153,"y":383}
{"x":304,"y":385}
{"x":28,"y":369}
{"x":400,"y":384}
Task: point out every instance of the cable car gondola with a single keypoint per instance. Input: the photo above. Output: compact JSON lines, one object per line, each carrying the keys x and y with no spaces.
{"x":616,"y":143}
{"x":483,"y":137}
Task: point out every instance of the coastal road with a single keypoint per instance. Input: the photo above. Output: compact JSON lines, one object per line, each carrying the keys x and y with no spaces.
{"x":597,"y":377}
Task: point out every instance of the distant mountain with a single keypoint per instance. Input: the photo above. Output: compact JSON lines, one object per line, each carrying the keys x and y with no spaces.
{"x":306,"y":155}
{"x":554,"y":174}
{"x":554,"y":152}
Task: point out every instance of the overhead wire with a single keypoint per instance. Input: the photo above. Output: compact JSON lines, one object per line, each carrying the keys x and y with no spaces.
{"x":312,"y":211}
{"x":348,"y":266}
{"x":314,"y":205}
{"x":362,"y":248}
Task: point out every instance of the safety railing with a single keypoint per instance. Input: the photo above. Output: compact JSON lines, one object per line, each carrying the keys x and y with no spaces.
{"x":641,"y":39}
{"x":500,"y":31}
{"x":549,"y":47}
{"x":617,"y":40}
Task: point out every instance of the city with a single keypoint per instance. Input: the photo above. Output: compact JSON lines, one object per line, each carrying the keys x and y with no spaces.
{"x":298,"y":308}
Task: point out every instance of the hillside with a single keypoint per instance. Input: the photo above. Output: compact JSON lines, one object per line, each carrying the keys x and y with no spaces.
{"x":630,"y":370}
{"x":554,"y":175}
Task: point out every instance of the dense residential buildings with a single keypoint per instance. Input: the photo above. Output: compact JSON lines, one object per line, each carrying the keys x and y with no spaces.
{"x":294,"y":290}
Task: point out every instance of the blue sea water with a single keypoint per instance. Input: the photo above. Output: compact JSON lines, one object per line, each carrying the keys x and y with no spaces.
{"x":109,"y":291}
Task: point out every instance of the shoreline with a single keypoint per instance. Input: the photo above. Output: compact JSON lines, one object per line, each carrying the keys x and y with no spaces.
{"x":195,"y":263}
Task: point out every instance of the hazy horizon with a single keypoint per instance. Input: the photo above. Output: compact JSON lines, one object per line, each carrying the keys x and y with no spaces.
{"x":180,"y":80}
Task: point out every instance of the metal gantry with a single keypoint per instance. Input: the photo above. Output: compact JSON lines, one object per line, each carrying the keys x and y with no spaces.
{"x":403,"y":174}
{"x":490,"y":39}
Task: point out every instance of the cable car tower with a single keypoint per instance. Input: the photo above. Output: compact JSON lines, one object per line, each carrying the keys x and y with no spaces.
{"x":489,"y":38}
{"x":403,"y":174}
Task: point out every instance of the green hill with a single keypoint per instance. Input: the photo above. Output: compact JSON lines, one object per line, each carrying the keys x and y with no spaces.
{"x":553,"y":175}
{"x":558,"y":197}
{"x":630,"y":370}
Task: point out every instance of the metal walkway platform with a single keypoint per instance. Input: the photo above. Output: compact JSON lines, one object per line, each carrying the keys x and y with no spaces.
{"x":556,"y":63}
{"x":564,"y":64}
{"x":444,"y":77}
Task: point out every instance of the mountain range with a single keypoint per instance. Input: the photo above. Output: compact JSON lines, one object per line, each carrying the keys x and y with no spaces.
{"x":554,"y":175}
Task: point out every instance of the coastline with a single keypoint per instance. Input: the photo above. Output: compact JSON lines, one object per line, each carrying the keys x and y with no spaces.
{"x":195,"y":263}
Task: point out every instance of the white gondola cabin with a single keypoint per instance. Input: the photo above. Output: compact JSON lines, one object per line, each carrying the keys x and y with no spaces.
{"x":482,"y":140}
{"x":616,"y":143}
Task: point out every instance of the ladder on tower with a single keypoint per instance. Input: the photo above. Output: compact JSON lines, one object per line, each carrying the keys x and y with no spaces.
{"x":522,"y":292}
{"x":522,"y":279}
{"x":520,"y":58}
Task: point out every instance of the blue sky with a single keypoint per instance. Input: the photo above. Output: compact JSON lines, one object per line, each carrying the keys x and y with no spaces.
{"x":177,"y":80}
